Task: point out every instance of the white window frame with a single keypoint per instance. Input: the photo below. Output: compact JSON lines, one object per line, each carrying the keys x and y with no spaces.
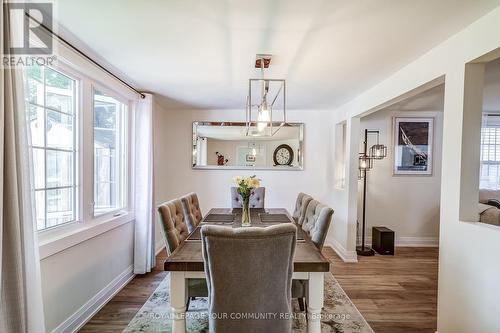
{"x":86,"y":226}
{"x":127,"y":130}
{"x":76,"y":147}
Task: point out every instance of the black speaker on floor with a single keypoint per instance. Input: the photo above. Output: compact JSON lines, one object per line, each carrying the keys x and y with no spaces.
{"x":383,"y":240}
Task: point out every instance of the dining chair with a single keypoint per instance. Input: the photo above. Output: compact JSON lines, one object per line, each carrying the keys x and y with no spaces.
{"x":257,"y":197}
{"x":249,"y":271}
{"x":316,"y":223}
{"x":300,"y":207}
{"x":173,"y":226}
{"x":192,"y":211}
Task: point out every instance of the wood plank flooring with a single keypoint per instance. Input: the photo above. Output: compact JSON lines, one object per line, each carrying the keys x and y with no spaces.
{"x":396,"y":294}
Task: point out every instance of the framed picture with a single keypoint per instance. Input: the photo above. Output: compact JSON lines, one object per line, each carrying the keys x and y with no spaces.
{"x":413,"y":139}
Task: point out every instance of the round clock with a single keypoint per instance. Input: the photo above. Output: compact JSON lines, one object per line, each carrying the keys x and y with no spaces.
{"x":283,"y":155}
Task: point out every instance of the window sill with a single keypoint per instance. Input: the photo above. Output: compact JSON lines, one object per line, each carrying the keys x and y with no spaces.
{"x":55,"y":241}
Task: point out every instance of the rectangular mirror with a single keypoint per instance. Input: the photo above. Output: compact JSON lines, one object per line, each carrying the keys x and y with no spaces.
{"x":226,"y":145}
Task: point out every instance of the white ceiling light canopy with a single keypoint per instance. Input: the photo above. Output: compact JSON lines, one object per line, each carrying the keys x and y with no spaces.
{"x":266,"y":110}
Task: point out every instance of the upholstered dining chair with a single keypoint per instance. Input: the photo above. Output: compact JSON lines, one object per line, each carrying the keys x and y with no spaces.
{"x":192,"y":211}
{"x":316,"y":223}
{"x":173,"y":226}
{"x":257,"y":197}
{"x":239,"y":264}
{"x":300,"y":207}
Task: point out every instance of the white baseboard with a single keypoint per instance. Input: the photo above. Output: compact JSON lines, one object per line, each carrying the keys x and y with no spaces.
{"x":346,"y":256}
{"x":159,"y":246}
{"x":411,"y":241}
{"x":89,"y":309}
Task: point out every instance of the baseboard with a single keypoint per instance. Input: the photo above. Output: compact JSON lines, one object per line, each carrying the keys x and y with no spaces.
{"x":346,"y":256}
{"x":411,"y":241}
{"x":159,"y":246}
{"x":89,"y":309}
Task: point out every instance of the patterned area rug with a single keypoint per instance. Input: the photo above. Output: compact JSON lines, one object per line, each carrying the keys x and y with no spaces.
{"x":339,"y":314}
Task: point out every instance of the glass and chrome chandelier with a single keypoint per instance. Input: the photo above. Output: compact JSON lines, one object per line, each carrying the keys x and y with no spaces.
{"x":266,"y":108}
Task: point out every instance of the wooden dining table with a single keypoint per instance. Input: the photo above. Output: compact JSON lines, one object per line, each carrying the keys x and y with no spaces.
{"x":186,"y":262}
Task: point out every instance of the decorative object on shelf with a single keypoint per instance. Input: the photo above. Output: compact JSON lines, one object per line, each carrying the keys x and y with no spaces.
{"x":220,"y":159}
{"x":376,"y":152}
{"x":245,"y":187}
{"x":283,"y":155}
{"x":413,"y":139}
{"x":267,"y":104}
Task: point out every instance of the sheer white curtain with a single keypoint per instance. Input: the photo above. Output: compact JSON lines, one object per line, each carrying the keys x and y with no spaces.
{"x":201,"y":151}
{"x":21,"y":308}
{"x":144,"y":246}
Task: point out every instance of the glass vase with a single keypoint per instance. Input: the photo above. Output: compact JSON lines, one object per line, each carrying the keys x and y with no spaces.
{"x":245,"y":214}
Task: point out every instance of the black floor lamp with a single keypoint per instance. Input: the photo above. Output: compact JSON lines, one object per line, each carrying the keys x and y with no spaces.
{"x":376,"y":152}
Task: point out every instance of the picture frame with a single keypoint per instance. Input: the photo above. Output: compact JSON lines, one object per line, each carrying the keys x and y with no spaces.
{"x":413,"y":139}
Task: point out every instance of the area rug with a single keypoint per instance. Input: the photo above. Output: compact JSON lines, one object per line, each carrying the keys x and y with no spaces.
{"x":339,"y":314}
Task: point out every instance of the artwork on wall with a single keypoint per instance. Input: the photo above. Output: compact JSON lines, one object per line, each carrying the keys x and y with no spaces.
{"x":413,"y":145}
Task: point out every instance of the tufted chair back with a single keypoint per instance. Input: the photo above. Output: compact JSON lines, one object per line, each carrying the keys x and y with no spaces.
{"x":256,"y":198}
{"x":173,"y":224}
{"x":300,"y":207}
{"x":192,"y":211}
{"x":317,"y":221}
{"x":230,"y":277}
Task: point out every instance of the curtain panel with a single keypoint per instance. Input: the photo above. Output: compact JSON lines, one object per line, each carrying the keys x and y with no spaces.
{"x":21,"y":308}
{"x":144,"y":245}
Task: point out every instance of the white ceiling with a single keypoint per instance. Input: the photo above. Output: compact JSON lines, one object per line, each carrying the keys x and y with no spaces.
{"x":200,"y":54}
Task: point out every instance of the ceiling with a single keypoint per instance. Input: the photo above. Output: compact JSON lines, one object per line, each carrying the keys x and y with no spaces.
{"x":200,"y":54}
{"x":433,"y":99}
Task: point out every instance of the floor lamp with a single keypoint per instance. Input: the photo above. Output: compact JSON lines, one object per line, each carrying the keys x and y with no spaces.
{"x":366,"y":158}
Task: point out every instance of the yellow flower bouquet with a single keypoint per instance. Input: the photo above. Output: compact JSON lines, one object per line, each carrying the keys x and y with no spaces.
{"x":244,"y":188}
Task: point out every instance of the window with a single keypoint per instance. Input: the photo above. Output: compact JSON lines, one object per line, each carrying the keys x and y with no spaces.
{"x":51,"y":107}
{"x":490,"y":152}
{"x":109,"y":153}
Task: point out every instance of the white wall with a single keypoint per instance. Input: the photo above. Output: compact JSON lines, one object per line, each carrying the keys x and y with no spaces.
{"x":88,"y":272}
{"x":175,"y":177}
{"x":408,"y":204}
{"x":468,"y":259}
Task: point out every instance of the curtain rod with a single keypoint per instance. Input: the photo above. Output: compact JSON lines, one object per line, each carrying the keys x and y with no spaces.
{"x":85,"y":55}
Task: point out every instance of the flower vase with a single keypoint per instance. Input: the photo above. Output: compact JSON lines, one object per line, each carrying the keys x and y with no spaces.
{"x":245,"y":214}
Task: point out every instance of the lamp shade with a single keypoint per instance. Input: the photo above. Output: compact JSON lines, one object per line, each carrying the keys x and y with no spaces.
{"x":365,"y":162}
{"x":378,"y":151}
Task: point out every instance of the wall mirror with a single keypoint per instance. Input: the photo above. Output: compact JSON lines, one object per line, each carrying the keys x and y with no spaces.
{"x":233,"y":145}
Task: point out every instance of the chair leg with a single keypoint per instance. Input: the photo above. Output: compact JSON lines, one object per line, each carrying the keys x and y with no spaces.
{"x":301,"y":304}
{"x":187,"y":303}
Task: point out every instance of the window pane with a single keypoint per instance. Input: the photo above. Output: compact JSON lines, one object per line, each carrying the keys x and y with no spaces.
{"x":39,"y":167}
{"x":59,"y":206}
{"x":59,"y":168}
{"x":59,"y":89}
{"x":40,"y":209}
{"x":59,"y":130}
{"x":35,"y":91}
{"x":109,"y":153}
{"x":36,"y":117}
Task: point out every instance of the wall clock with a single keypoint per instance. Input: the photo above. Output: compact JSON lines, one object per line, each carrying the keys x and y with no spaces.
{"x":283,"y":155}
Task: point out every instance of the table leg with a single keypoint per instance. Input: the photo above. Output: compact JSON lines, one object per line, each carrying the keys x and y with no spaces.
{"x":315,"y":301}
{"x":178,"y":300}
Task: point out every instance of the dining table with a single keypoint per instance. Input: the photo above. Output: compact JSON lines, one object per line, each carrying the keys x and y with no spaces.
{"x":186,"y":262}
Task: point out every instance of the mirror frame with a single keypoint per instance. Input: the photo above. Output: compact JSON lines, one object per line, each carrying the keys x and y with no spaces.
{"x":244,"y":124}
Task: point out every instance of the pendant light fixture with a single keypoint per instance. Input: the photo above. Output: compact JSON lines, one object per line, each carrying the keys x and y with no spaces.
{"x":266,"y":112}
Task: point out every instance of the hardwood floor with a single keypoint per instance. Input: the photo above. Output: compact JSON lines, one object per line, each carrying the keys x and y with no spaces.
{"x":396,"y":294}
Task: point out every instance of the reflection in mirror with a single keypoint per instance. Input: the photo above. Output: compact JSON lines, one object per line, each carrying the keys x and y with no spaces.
{"x":489,"y":175}
{"x":227,"y":145}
